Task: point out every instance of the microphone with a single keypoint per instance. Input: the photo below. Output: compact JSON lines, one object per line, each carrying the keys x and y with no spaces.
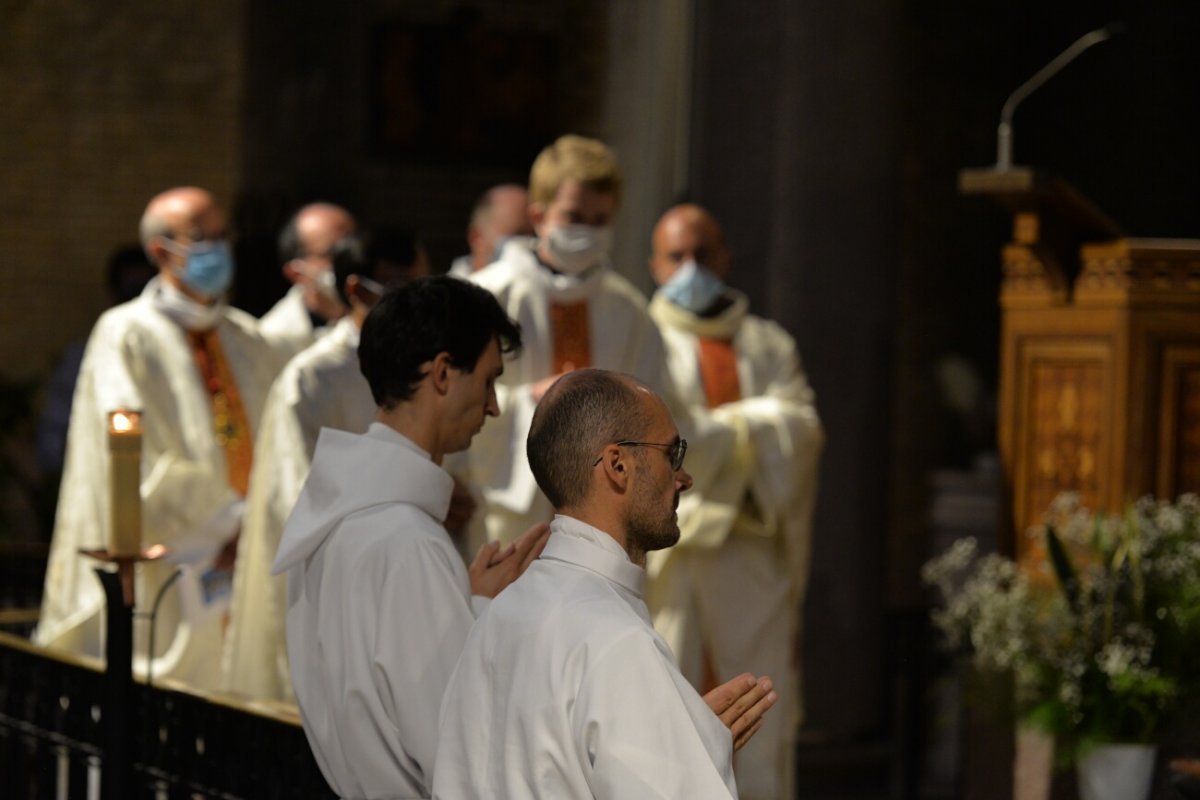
{"x":1004,"y":141}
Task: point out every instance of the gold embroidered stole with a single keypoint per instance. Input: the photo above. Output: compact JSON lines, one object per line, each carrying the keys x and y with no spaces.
{"x":572,"y":340}
{"x":230,"y":426}
{"x":718,"y":371}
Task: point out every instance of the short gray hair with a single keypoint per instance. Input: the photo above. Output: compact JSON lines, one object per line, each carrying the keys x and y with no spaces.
{"x":151,"y":227}
{"x":582,"y":412}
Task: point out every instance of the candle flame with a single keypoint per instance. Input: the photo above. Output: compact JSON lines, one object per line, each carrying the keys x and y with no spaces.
{"x":123,"y":421}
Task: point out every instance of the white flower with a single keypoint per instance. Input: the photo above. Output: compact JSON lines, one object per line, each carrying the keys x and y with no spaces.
{"x":1169,"y":519}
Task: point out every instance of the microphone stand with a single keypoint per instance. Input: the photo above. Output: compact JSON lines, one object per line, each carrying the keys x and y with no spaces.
{"x":1004,"y":135}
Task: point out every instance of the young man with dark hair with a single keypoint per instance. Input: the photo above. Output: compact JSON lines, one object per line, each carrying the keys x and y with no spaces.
{"x":563,"y":688}
{"x":379,"y":601}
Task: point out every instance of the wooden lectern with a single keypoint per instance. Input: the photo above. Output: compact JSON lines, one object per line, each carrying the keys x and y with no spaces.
{"x":1099,"y":354}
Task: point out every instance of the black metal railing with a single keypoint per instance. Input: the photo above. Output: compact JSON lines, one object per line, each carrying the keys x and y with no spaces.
{"x":184,"y":745}
{"x":22,"y":569}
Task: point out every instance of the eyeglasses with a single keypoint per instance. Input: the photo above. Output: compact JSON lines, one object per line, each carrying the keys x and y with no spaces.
{"x":675,"y":451}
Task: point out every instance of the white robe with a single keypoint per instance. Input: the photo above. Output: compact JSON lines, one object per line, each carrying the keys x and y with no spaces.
{"x":734,"y":585}
{"x":379,"y":606}
{"x":138,"y":358}
{"x":461,"y":267}
{"x":287,"y":326}
{"x":622,"y":337}
{"x":322,"y":387}
{"x":565,"y":690}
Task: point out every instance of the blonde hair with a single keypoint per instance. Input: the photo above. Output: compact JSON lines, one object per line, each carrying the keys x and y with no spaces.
{"x":574,"y":158}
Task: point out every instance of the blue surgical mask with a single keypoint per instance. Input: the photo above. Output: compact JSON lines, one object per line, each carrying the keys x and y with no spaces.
{"x":693,"y":287}
{"x":207,"y":268}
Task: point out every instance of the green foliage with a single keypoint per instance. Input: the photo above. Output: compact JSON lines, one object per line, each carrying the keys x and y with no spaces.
{"x":1099,"y":641}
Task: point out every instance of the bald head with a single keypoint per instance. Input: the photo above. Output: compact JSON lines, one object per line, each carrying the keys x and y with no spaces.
{"x":501,"y":212}
{"x":314,"y":230}
{"x":685,"y":233}
{"x":172,"y":223}
{"x":579,"y":415}
{"x":186,"y":212}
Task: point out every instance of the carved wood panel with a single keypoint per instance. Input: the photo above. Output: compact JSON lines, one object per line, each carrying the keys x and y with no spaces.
{"x":1065,"y":441}
{"x":1063,"y":432}
{"x":1179,"y":434}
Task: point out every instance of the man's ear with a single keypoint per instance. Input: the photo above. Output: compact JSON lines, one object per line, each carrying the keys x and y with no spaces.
{"x":537,"y":213}
{"x":439,"y":372}
{"x":157,"y":252}
{"x":474,"y":237}
{"x":291,"y":273}
{"x":615,"y":463}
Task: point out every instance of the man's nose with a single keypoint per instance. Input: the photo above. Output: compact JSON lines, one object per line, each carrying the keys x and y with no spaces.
{"x":683,"y":480}
{"x":493,"y":405}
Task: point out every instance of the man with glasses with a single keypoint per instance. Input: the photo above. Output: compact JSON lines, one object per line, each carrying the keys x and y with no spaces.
{"x":563,"y":688}
{"x":198,"y":371}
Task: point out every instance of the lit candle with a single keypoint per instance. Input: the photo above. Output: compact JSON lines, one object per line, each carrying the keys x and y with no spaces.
{"x":125,"y":447}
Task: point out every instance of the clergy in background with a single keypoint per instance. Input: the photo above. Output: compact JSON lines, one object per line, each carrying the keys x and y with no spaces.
{"x":563,"y":688}
{"x":379,"y":601}
{"x":322,"y":387}
{"x":306,"y":247}
{"x":729,"y":595}
{"x":198,"y":371}
{"x":499,"y":214}
{"x":574,"y":311}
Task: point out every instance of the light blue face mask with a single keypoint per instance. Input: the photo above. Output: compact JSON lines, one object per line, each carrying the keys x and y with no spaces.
{"x":693,"y":287}
{"x":208,"y":266}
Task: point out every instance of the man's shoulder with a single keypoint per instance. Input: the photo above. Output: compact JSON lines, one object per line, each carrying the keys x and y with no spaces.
{"x":764,"y":326}
{"x":240,"y":321}
{"x":130,"y":315}
{"x":514,"y":265}
{"x":394,"y":527}
{"x":326,"y":358}
{"x":570,"y":601}
{"x":616,"y":286}
{"x":759,"y":334}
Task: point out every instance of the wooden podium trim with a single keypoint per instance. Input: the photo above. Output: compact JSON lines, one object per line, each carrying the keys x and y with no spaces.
{"x":1179,"y":415}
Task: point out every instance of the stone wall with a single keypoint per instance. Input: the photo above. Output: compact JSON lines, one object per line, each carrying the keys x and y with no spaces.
{"x":104,"y":104}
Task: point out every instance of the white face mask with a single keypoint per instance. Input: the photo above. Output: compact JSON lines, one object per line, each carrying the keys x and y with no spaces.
{"x":186,"y":312}
{"x":323,"y":279}
{"x":574,"y":249}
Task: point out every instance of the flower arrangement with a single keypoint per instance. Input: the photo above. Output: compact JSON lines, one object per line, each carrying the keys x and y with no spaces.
{"x":1101,"y":636}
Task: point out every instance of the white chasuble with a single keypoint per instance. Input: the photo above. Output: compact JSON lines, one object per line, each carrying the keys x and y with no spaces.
{"x":728,"y":597}
{"x":138,"y":358}
{"x":322,"y":387}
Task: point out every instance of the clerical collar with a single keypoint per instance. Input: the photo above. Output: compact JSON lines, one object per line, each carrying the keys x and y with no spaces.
{"x":387,"y":433}
{"x":181,"y":309}
{"x":560,"y":287}
{"x":723,"y":325}
{"x":576,"y":542}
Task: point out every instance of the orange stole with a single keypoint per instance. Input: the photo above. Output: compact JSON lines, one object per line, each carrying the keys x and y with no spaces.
{"x":572,"y":340}
{"x":718,"y":371}
{"x":230,"y":427}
